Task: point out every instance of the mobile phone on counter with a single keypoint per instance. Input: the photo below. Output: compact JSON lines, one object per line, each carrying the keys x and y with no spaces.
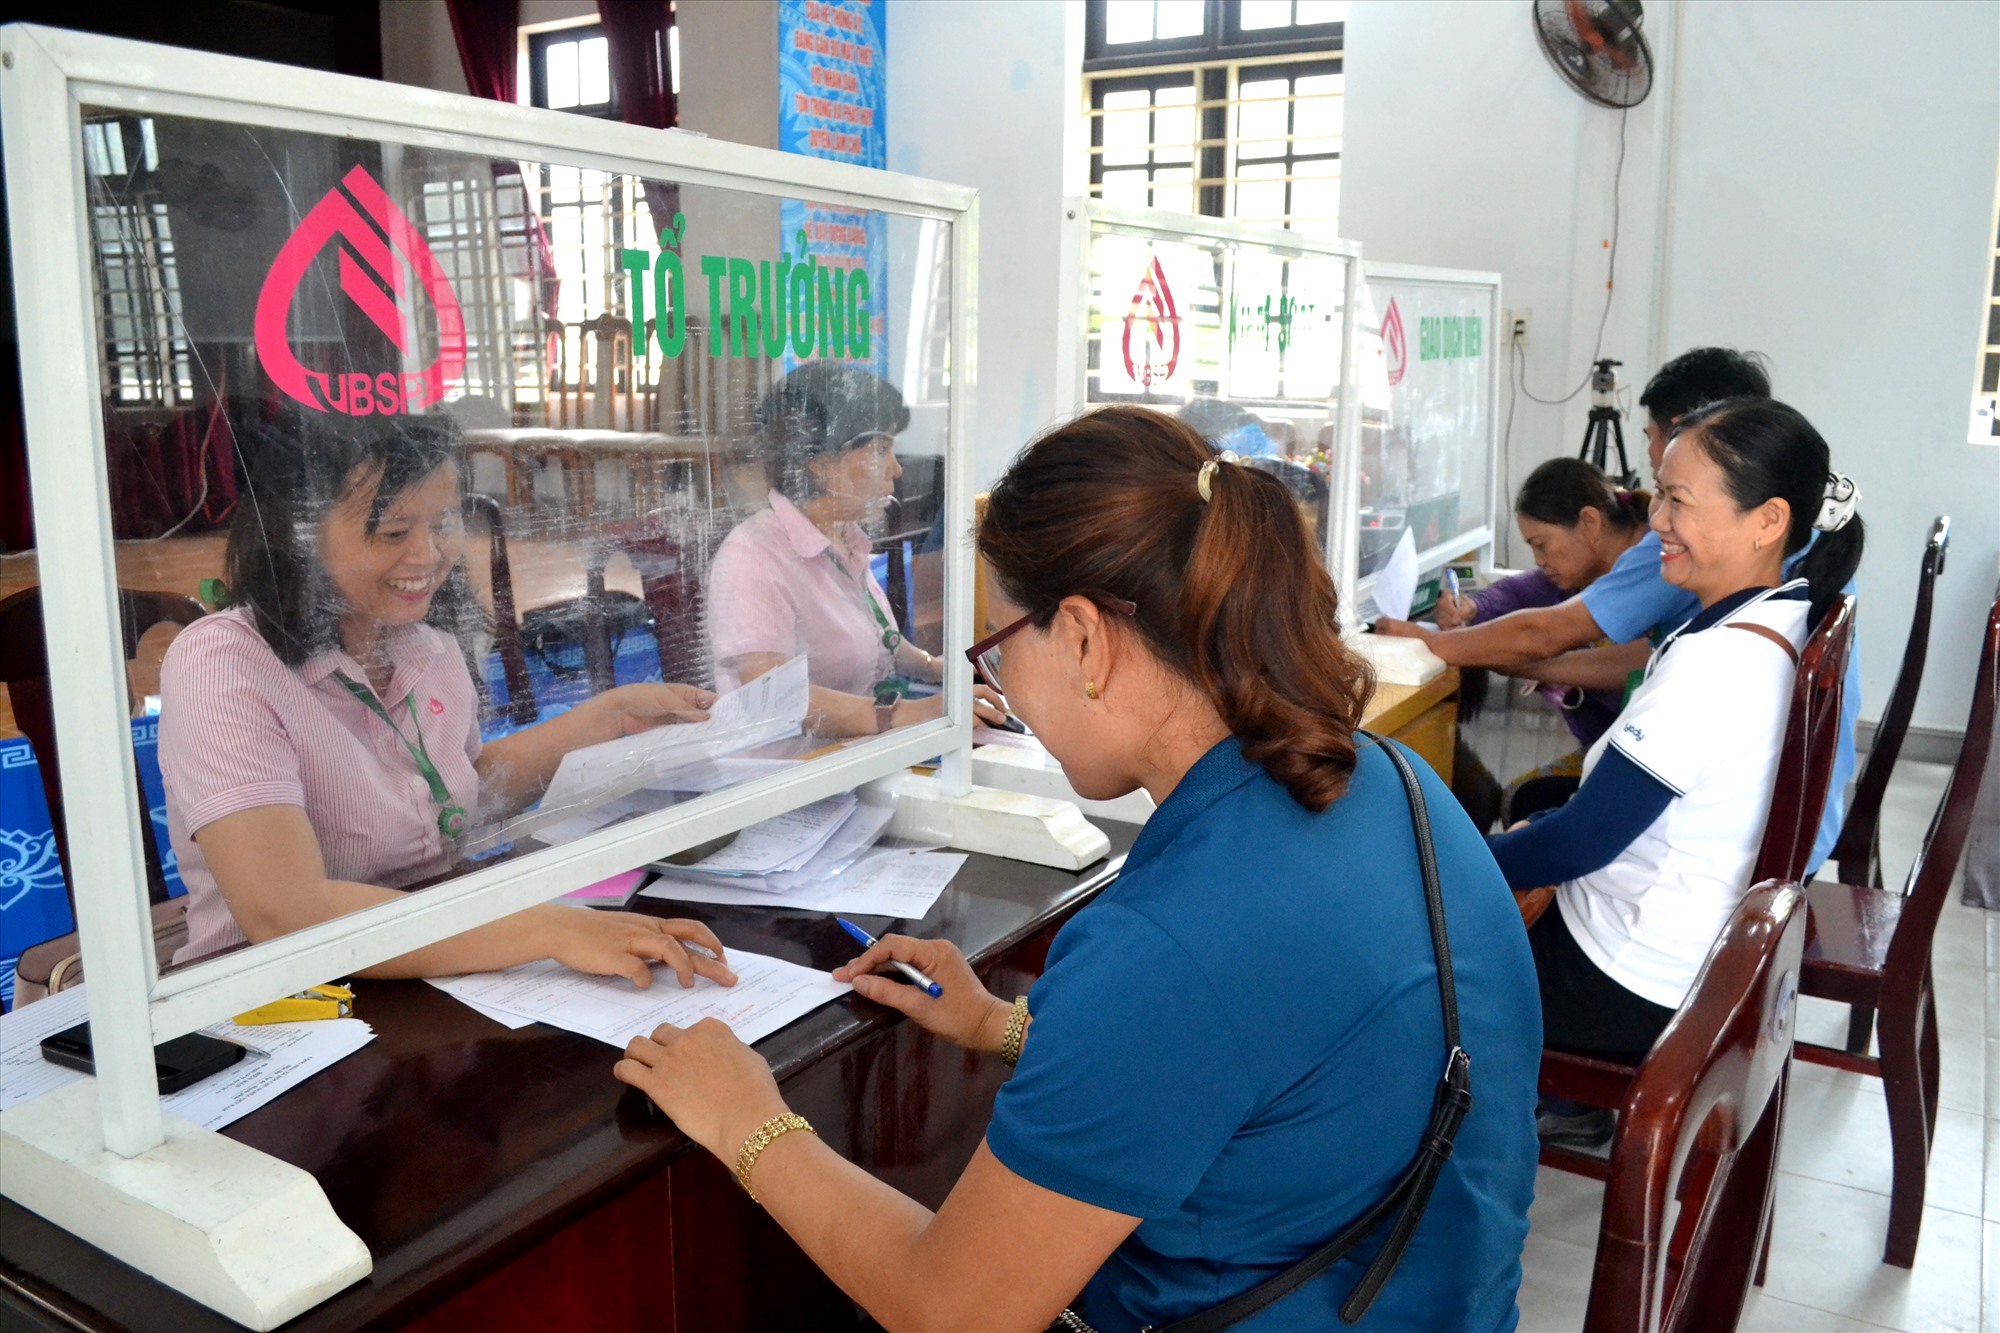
{"x":182,"y":1062}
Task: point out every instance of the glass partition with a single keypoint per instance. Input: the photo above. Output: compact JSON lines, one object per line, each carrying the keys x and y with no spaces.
{"x":1428,"y":356}
{"x":1239,"y":330}
{"x":467,"y":509}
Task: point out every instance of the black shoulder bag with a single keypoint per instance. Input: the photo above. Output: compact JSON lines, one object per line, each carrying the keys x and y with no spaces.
{"x":1407,"y":1199}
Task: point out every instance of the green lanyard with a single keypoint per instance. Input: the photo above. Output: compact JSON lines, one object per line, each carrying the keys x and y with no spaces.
{"x":890,"y":638}
{"x":451,"y":815}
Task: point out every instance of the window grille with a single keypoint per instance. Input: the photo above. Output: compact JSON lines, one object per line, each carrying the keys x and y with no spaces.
{"x":146,"y":359}
{"x":1985,"y":427}
{"x":1231,"y":108}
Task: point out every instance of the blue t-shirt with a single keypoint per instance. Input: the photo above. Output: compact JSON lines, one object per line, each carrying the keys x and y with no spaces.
{"x":1238,"y":1042}
{"x":1633,"y":599}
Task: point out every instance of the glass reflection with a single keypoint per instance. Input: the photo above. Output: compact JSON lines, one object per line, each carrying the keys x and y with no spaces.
{"x":480,"y":470}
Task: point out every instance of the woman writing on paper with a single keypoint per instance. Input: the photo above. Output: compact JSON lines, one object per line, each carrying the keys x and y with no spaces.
{"x":1655,"y":849}
{"x":794,"y":578}
{"x":320,"y":739}
{"x":1176,"y":1132}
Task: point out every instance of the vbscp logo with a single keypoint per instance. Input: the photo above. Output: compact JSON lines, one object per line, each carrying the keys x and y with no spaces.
{"x":1395,"y":346}
{"x":375,"y":242}
{"x":1154,"y":312}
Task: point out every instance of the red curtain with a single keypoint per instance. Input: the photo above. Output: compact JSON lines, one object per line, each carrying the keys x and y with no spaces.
{"x":488,"y":33}
{"x":637,"y":33}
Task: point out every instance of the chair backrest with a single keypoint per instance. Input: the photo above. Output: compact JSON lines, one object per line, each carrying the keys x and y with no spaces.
{"x":1701,"y":1125}
{"x":1858,"y":853}
{"x":1812,"y":737}
{"x":24,"y":670}
{"x":484,"y":511}
{"x":1906,"y":967}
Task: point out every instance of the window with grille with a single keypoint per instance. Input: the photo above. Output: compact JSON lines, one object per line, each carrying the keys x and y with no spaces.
{"x":146,"y":358}
{"x":569,"y":69}
{"x":1231,"y":108}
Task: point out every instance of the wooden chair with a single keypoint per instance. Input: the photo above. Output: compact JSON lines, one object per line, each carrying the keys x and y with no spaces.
{"x":1872,"y":947}
{"x":522,"y":708}
{"x":1700,"y":1124}
{"x":1858,"y":852}
{"x":24,"y":669}
{"x":1798,"y":795}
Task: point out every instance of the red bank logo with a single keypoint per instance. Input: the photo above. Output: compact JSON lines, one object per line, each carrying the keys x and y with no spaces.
{"x":375,"y":241}
{"x":1159,"y":324}
{"x":1394,"y":346}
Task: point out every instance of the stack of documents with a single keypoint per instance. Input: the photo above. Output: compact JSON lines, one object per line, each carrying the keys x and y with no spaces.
{"x":768,"y":994}
{"x":291,"y":1054}
{"x":821,"y":857}
{"x":589,"y":780}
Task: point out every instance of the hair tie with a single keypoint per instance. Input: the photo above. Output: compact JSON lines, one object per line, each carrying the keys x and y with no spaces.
{"x":1204,"y":480}
{"x":1841,"y":499}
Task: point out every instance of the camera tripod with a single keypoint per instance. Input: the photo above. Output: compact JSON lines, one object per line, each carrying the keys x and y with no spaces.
{"x":1606,"y":426}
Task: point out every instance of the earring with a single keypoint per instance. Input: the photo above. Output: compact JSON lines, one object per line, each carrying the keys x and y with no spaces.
{"x":1090,"y":689}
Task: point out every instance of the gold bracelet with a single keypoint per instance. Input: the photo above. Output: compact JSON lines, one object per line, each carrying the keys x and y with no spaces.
{"x":1017,"y":1029}
{"x":766,"y":1134}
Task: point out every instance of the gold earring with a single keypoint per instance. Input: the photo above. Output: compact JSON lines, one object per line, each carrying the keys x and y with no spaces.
{"x":1090,"y":689}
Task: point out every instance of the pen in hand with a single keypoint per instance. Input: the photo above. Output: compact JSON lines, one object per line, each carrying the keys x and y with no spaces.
{"x":867,"y":941}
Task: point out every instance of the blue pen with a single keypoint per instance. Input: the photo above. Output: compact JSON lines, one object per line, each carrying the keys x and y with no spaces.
{"x":1451,"y":577}
{"x":929,"y":987}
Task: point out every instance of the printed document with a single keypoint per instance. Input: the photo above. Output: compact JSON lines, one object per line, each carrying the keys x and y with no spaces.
{"x":294,"y":1052}
{"x":1396,"y":581}
{"x":768,"y":708}
{"x":769,"y":993}
{"x":899,"y":882}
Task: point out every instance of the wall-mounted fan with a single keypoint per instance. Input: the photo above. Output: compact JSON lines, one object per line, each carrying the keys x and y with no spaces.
{"x":1597,"y":47}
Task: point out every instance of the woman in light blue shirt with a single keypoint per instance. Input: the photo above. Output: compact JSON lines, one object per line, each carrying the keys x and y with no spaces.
{"x":1233,"y":1053}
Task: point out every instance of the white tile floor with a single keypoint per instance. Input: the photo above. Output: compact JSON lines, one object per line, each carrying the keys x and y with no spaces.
{"x":1826,"y":1271}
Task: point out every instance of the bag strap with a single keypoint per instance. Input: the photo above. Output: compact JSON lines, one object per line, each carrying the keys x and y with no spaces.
{"x":1766,"y":632}
{"x":1411,"y":1194}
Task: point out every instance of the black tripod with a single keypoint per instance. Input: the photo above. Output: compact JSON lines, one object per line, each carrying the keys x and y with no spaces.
{"x":1606,"y":426}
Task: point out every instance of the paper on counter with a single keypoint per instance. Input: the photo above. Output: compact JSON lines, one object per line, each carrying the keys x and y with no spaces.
{"x":1396,"y":581}
{"x":715,"y":774}
{"x":901,"y":882}
{"x":782,"y":842}
{"x":766,"y":709}
{"x":295,"y":1052}
{"x":769,"y":993}
{"x":849,"y":843}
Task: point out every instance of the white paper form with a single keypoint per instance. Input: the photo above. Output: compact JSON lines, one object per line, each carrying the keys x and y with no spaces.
{"x":768,"y":994}
{"x":716,"y":774}
{"x":849,"y":843}
{"x":294,"y":1053}
{"x":782,"y":842}
{"x":1396,"y":581}
{"x":766,"y":709}
{"x":901,"y":882}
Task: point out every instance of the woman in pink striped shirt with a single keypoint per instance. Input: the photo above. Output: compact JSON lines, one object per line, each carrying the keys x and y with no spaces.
{"x":320,"y":739}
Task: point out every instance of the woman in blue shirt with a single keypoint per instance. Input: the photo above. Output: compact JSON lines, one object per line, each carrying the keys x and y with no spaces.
{"x":1233,"y":1052}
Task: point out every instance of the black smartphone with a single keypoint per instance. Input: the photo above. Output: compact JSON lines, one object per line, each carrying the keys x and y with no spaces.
{"x":181,"y":1062}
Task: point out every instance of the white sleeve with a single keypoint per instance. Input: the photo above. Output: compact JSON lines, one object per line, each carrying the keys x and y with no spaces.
{"x":1708,"y":697}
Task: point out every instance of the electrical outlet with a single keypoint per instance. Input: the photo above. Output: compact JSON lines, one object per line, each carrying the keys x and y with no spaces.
{"x":1516,"y":324}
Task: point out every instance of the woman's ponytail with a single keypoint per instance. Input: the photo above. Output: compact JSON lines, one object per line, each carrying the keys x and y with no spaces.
{"x":1229,"y":590}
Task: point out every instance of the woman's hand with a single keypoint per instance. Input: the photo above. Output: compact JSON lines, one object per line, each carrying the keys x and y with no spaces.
{"x":713,"y":1086}
{"x":967,"y":1014}
{"x":1402,"y":629}
{"x":1452,"y":611}
{"x":630,"y":709}
{"x":988,"y":708}
{"x":624,"y":944}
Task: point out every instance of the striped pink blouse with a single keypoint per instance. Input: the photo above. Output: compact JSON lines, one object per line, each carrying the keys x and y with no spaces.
{"x":239,"y":729}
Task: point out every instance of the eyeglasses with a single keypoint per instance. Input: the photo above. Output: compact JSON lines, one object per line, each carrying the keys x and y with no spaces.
{"x":985,"y":655}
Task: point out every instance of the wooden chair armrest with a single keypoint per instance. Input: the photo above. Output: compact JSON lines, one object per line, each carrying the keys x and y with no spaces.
{"x":1534,"y":902}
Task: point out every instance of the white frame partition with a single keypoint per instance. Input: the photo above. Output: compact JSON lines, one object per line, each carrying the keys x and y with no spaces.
{"x":1073,"y":345}
{"x":45,"y":75}
{"x":1481,"y":538}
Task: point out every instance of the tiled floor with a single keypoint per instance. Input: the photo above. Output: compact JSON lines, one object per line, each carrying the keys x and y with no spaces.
{"x":1826,"y":1271}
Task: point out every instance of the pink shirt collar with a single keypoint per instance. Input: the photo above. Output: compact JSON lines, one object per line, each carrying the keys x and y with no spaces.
{"x":807,"y":541}
{"x":409,"y":647}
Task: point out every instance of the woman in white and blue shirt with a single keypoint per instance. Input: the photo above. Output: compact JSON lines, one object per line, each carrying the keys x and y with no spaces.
{"x":1654,"y":851}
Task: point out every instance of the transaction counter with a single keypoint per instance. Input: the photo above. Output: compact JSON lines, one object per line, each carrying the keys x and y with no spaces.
{"x":504,"y":1180}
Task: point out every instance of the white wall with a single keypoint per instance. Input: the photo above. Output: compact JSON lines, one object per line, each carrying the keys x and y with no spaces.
{"x":986,"y":95}
{"x":1823,"y":173}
